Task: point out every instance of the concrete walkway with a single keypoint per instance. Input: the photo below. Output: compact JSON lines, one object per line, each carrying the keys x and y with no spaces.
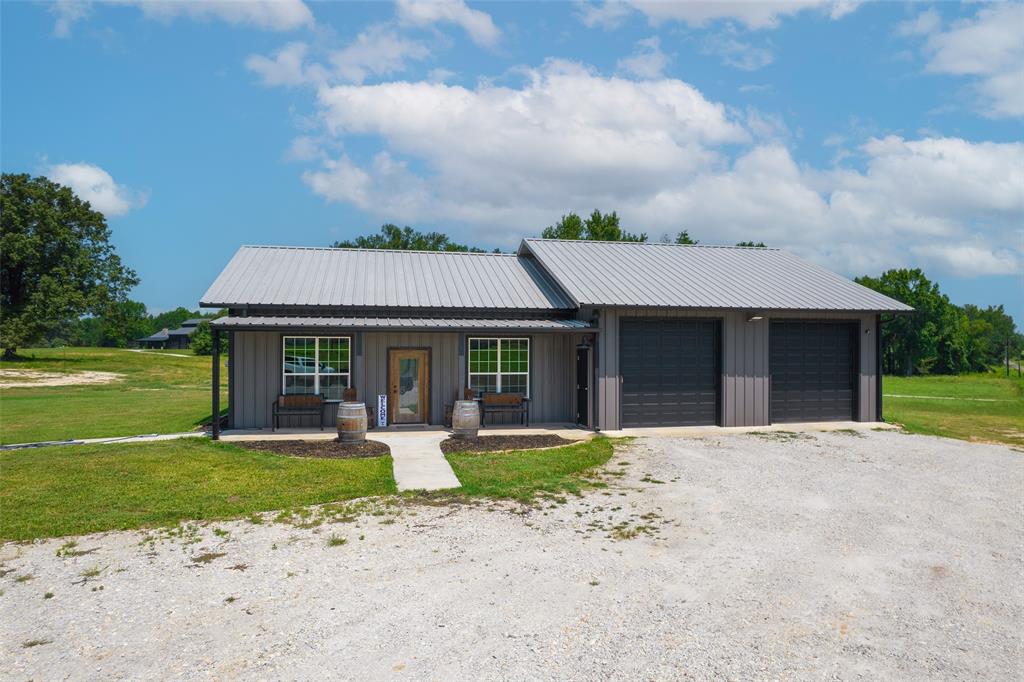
{"x":418,"y":461}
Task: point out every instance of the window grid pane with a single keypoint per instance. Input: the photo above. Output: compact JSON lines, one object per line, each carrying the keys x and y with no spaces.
{"x":499,"y":365}
{"x":317,"y":365}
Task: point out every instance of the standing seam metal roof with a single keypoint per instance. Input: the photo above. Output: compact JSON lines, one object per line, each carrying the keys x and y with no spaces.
{"x":303,"y":276}
{"x":686,"y":276}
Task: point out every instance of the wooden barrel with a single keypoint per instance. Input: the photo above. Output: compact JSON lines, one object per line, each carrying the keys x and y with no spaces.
{"x":351,"y":422}
{"x":465,"y":419}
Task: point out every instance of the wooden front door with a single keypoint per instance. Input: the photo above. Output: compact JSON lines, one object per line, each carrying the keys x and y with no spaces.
{"x":409,"y":386}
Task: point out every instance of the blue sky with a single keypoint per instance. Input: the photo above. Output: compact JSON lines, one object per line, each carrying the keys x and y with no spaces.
{"x":860,"y":135}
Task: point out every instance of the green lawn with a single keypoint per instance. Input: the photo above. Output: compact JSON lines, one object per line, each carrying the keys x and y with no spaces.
{"x":521,"y":475}
{"x":997,"y":417}
{"x":160,"y":393}
{"x":70,"y":490}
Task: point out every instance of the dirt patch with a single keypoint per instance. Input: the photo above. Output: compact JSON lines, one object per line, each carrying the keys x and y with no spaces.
{"x":31,"y":378}
{"x":499,"y":443}
{"x":326,"y":449}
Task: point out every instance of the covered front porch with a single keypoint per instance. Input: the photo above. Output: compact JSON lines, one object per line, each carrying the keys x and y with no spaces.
{"x":413,"y":368}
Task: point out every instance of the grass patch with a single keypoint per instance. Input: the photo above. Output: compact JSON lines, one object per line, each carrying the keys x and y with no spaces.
{"x":983,"y":407}
{"x":160,"y":393}
{"x":336,"y":541}
{"x":522,"y":475}
{"x":72,"y":490}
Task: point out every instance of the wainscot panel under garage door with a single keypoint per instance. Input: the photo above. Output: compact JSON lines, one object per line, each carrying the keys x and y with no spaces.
{"x":671,"y":371}
{"x":814,"y":370}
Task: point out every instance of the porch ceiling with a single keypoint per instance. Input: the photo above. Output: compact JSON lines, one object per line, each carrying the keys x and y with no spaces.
{"x":404,"y":323}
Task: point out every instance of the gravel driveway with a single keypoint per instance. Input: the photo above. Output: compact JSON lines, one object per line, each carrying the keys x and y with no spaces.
{"x":836,"y":555}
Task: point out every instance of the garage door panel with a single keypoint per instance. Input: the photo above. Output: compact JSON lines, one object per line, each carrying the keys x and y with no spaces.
{"x":813,"y":370}
{"x":670,"y":372}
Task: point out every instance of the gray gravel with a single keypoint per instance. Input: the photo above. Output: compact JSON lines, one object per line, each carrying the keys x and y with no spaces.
{"x":831,"y":556}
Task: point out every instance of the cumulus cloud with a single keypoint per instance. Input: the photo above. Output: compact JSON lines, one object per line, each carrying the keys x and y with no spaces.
{"x":477,"y":24}
{"x":286,"y":67}
{"x":758,"y":14}
{"x":509,"y":160}
{"x":377,"y":51}
{"x":647,"y":62}
{"x":987,"y":47}
{"x":271,"y":15}
{"x":737,"y":53}
{"x":95,"y":185}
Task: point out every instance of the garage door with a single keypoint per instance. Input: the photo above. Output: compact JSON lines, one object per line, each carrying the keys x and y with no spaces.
{"x":814,"y":370}
{"x":670,"y":372}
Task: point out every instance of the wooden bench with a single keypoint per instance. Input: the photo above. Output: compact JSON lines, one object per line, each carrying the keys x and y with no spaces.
{"x":504,"y":403}
{"x":299,"y":406}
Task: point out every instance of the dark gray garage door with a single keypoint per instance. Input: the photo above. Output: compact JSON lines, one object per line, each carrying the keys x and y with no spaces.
{"x":670,"y":372}
{"x":814,"y":370}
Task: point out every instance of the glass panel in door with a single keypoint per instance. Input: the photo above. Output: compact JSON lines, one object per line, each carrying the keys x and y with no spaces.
{"x":409,"y":390}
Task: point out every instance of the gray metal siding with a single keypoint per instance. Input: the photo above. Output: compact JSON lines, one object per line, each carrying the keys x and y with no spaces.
{"x":746,"y":374}
{"x":256,"y":373}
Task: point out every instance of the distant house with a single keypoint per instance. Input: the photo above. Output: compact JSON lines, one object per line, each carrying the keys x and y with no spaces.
{"x":604,"y":334}
{"x":174,"y":338}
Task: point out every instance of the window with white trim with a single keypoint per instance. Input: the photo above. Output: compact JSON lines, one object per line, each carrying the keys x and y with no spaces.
{"x":499,"y":365}
{"x":317,"y":364}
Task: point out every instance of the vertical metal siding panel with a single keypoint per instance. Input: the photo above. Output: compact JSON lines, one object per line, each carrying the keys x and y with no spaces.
{"x":242,"y":369}
{"x":762,"y":415}
{"x":614,"y":386}
{"x":867,"y":378}
{"x":750,"y":331}
{"x":730,"y":370}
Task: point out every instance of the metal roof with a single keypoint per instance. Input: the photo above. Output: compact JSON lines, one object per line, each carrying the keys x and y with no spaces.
{"x":403,"y":323}
{"x":712,"y":277}
{"x":274,"y":275}
{"x":158,"y":336}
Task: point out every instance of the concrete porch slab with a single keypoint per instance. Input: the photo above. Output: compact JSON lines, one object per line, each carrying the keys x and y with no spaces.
{"x":566,"y":431}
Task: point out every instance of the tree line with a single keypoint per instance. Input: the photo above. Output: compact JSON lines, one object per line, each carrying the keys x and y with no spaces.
{"x":61,"y":283}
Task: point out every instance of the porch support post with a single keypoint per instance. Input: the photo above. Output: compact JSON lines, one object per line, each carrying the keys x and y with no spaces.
{"x":215,"y":392}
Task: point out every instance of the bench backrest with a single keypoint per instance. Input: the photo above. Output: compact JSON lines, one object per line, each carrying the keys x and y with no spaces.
{"x":502,"y":399}
{"x":299,"y":401}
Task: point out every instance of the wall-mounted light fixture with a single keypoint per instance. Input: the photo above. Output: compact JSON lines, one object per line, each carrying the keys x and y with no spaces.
{"x":754,"y":317}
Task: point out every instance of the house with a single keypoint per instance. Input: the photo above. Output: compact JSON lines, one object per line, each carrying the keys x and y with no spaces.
{"x":174,"y":338}
{"x":608,"y":335}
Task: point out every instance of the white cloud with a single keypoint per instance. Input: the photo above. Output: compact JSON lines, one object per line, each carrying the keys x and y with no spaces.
{"x":272,"y":15}
{"x":734,"y":52}
{"x":68,"y":13}
{"x":924,"y":23}
{"x":505,"y":161}
{"x":608,"y":15}
{"x":477,"y":24}
{"x":753,"y":14}
{"x":378,"y":51}
{"x":647,"y":62}
{"x":287,"y":67}
{"x":989,"y":47}
{"x":95,"y":185}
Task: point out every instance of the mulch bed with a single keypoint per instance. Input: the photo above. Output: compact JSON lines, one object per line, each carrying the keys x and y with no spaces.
{"x":326,"y":449}
{"x":497,"y":443}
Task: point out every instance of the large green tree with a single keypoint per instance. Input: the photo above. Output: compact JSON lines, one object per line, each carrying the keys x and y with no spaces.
{"x":57,"y":261}
{"x":405,"y":239}
{"x":597,"y":226}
